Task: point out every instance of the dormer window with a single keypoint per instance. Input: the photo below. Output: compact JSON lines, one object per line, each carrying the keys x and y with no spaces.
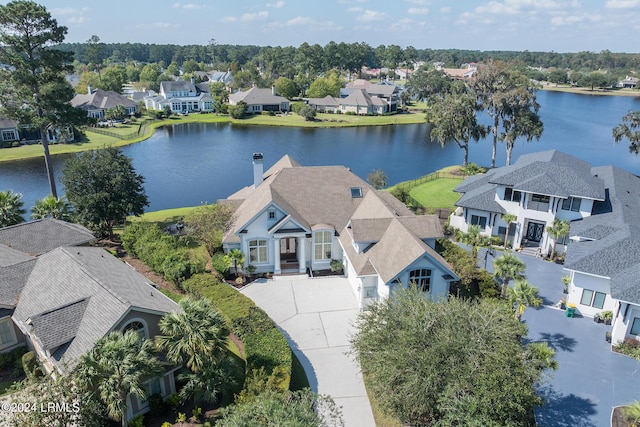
{"x":356,"y":192}
{"x":272,"y":214}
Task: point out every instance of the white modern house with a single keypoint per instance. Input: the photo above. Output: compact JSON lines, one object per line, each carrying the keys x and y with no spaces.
{"x":181,"y":96}
{"x":603,"y":258}
{"x":296,"y":220}
{"x":537,"y":189}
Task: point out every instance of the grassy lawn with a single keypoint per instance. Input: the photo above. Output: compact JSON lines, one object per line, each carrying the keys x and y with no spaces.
{"x":163,"y":217}
{"x":437,"y":193}
{"x":587,"y":91}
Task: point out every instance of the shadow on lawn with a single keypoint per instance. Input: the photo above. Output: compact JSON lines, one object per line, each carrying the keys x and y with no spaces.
{"x":560,"y":410}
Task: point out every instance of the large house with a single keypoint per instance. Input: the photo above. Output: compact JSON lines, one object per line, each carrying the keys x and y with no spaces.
{"x":537,"y":189}
{"x":603,"y":257}
{"x":181,"y":97}
{"x":386,"y":92}
{"x":603,"y":245}
{"x":10,"y":132}
{"x":58,"y":296}
{"x":97,"y":101}
{"x":296,"y":219}
{"x":259,"y":100}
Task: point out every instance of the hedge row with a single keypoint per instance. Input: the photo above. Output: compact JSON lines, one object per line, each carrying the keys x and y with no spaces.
{"x":164,"y":254}
{"x":264,"y":345}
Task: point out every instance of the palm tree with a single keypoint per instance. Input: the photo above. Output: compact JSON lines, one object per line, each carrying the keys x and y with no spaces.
{"x":196,"y":336}
{"x":558,"y":231}
{"x":508,"y":267}
{"x":11,"y":208}
{"x":51,"y":207}
{"x":117,"y":366}
{"x":508,"y":218}
{"x":542,"y":356}
{"x":474,"y":239}
{"x":233,"y":258}
{"x":523,"y":295}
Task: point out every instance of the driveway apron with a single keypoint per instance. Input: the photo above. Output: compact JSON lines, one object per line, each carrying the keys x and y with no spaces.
{"x":316,"y":316}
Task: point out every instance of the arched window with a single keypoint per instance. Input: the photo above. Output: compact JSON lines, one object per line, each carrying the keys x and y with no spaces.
{"x":137,"y":325}
{"x":322,"y":245}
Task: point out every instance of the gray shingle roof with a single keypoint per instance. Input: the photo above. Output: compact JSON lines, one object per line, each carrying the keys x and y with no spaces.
{"x":550,"y":172}
{"x":111,"y":288}
{"x":177,"y":86}
{"x":40,"y":236}
{"x":10,"y":256}
{"x":60,"y":325}
{"x":13,"y":279}
{"x":101,"y":99}
{"x":615,"y":252}
{"x":360,"y":97}
{"x":257,"y":96}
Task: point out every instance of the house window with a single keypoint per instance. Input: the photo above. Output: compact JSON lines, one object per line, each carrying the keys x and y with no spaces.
{"x":138,"y":326}
{"x":356,"y":192}
{"x":539,"y":202}
{"x":421,"y":278}
{"x":592,"y":298}
{"x":635,"y":327}
{"x":9,"y":135}
{"x":511,"y":195}
{"x":151,"y":387}
{"x":370,"y":292}
{"x":322,"y":245}
{"x":272,"y":214}
{"x":479,"y":220}
{"x":258,"y":252}
{"x":7,"y":335}
{"x":571,"y":204}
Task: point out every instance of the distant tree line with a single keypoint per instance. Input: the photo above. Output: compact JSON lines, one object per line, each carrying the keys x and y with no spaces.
{"x":276,"y":61}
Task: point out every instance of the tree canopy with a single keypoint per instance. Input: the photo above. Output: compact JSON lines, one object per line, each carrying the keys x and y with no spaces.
{"x":11,"y":208}
{"x":425,"y":367}
{"x":103,"y":188}
{"x":628,"y":130}
{"x":33,"y":90}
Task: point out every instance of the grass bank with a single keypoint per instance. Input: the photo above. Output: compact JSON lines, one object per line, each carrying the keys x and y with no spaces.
{"x":587,"y":91}
{"x":434,"y":191}
{"x":93,"y":141}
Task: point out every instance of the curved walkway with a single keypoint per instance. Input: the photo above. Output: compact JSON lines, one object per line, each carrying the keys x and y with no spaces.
{"x":316,"y":316}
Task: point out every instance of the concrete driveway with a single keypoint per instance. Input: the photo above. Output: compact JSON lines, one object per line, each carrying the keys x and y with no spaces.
{"x":591,"y":379}
{"x":316,"y":316}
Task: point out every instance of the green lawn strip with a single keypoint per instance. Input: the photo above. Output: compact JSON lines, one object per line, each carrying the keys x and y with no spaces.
{"x":163,"y":217}
{"x":437,"y":194}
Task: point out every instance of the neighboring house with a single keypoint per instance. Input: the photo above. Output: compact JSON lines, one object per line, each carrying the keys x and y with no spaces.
{"x":328,"y":104}
{"x":537,"y":189}
{"x":59,"y":296}
{"x":225,"y":77}
{"x":181,"y":97}
{"x":259,"y":100}
{"x":361,"y":103}
{"x":628,"y":83}
{"x":296,"y":219}
{"x":387,"y":92}
{"x":603,"y":258}
{"x":97,"y":101}
{"x":9,"y":131}
{"x":466,"y":72}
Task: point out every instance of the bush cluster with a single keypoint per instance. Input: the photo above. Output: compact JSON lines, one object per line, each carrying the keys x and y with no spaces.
{"x":164,"y":254}
{"x":265,"y":347}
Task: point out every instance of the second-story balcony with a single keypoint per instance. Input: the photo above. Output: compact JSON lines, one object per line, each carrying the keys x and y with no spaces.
{"x":539,"y":203}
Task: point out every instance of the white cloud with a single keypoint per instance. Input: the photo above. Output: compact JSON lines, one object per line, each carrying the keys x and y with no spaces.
{"x":276,"y":5}
{"x":419,"y":2}
{"x":622,"y":4}
{"x":188,"y":6}
{"x":355,"y":9}
{"x":230,"y":19}
{"x":559,"y":21}
{"x":445,"y":9}
{"x":251,"y":17}
{"x":372,"y":15}
{"x":158,"y":24}
{"x":298,"y":20}
{"x":418,"y":11}
{"x":68,"y":11}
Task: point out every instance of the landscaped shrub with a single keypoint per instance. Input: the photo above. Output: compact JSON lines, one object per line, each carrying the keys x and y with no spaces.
{"x":30,"y":365}
{"x":219,"y":264}
{"x":308,"y":113}
{"x":12,"y":358}
{"x":297,"y":106}
{"x":178,"y":267}
{"x":401,"y":193}
{"x":264,"y":344}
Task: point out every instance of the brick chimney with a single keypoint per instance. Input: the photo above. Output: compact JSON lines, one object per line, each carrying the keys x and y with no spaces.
{"x":258,"y":169}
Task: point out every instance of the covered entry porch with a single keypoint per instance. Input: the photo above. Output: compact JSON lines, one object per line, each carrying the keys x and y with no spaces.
{"x":290,"y":252}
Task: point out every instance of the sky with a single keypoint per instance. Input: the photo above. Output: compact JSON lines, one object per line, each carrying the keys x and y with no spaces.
{"x":534,"y":25}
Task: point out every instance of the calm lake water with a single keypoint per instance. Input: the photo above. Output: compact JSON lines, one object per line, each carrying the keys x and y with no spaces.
{"x":190,"y":164}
